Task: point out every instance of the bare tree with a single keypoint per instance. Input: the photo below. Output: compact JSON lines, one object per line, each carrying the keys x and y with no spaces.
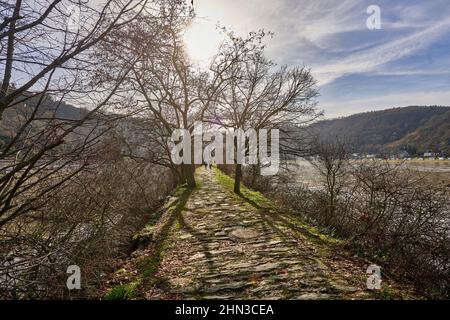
{"x":257,"y":96}
{"x":331,"y":161}
{"x":164,"y":85}
{"x":46,"y":49}
{"x":48,"y":62}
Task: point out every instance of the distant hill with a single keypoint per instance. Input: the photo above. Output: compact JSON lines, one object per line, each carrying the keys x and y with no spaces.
{"x":13,"y":118}
{"x":416,"y":129}
{"x":434,"y":136}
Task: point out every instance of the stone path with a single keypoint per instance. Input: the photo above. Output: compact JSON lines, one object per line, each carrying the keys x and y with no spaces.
{"x":223,"y":247}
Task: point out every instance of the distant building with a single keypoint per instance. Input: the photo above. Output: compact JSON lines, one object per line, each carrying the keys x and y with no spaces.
{"x":430,"y":155}
{"x":403,"y":154}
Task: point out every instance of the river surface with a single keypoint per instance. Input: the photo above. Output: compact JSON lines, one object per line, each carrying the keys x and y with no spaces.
{"x":304,"y":172}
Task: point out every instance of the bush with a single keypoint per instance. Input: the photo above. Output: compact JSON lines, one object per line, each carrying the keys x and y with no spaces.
{"x":89,"y":222}
{"x":397,"y":215}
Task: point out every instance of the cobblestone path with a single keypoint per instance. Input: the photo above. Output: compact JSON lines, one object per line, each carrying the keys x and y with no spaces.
{"x":221,"y":246}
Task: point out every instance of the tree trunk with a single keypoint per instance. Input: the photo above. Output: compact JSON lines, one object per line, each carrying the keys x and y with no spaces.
{"x":237,"y":178}
{"x":177,"y":175}
{"x":256,"y":172}
{"x":188,"y":175}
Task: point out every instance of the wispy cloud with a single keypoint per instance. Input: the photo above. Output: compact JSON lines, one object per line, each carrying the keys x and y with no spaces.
{"x":369,"y":59}
{"x":331,"y":37}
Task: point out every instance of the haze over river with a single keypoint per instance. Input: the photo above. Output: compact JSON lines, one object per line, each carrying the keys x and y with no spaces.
{"x":303,"y":171}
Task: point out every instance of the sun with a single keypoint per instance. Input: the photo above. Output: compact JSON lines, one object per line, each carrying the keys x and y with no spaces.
{"x":202,"y":39}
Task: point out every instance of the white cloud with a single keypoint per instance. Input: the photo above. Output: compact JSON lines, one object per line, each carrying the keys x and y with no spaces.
{"x":310,"y":29}
{"x":368,"y":60}
{"x":331,"y":37}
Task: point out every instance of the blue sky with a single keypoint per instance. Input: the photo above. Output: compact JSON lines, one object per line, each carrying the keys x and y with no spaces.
{"x":406,"y":62}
